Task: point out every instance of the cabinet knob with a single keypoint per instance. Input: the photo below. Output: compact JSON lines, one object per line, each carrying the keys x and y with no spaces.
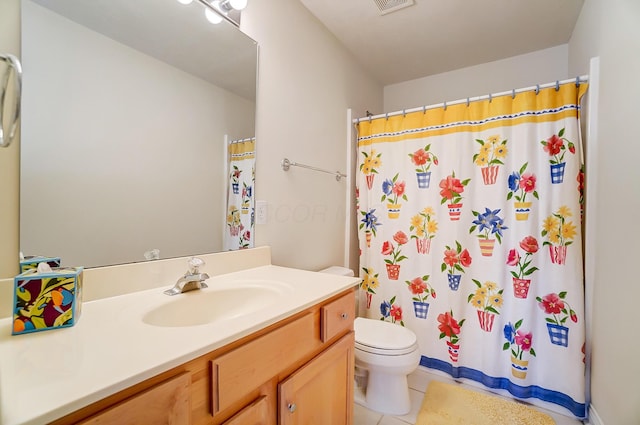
{"x":344,"y":316}
{"x":291,"y":407}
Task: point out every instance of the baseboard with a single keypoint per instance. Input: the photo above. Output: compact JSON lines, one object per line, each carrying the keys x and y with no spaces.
{"x":594,"y":418}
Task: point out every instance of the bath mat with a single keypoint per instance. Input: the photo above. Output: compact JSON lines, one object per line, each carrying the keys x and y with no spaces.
{"x":449,"y":404}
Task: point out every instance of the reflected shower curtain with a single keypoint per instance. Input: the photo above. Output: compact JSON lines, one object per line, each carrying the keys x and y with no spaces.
{"x":238,"y":233}
{"x":470,"y":235}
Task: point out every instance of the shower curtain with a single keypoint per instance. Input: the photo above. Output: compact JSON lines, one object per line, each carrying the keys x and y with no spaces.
{"x":470,"y":235}
{"x":241,"y":158}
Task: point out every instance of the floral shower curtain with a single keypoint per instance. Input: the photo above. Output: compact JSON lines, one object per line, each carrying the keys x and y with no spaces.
{"x":240,"y":200}
{"x":470,"y":235}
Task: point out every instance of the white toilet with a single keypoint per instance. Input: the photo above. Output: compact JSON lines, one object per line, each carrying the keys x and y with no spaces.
{"x":385,"y":354}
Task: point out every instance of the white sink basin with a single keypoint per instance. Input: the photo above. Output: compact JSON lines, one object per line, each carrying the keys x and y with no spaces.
{"x":216,"y":303}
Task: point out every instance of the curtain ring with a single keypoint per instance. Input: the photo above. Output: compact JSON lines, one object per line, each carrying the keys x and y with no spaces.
{"x":404,"y":113}
{"x":490,"y":97}
{"x":557,"y":85}
{"x":537,"y":88}
{"x":424,"y":109}
{"x":467,"y":102}
{"x":387,"y":116}
{"x":369,"y":119}
{"x":513,"y":93}
{"x":578,"y":81}
{"x":445,"y":106}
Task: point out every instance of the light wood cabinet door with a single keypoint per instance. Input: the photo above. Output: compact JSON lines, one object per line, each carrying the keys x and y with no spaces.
{"x":257,"y":413}
{"x":321,"y":392}
{"x":240,"y":372}
{"x":166,"y":403}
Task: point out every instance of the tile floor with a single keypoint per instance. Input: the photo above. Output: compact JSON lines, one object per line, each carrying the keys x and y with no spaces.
{"x":418,"y":382}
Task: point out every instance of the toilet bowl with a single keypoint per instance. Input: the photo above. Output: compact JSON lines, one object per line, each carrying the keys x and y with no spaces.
{"x":385,"y":354}
{"x":388,"y":353}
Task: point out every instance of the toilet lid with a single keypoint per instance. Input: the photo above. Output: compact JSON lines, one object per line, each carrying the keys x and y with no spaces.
{"x":383,"y":337}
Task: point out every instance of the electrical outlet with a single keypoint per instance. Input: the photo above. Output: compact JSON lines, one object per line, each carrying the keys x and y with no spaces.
{"x":261,"y":212}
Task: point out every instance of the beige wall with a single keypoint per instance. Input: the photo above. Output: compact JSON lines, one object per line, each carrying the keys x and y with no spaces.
{"x":307,"y":81}
{"x":9,"y":157}
{"x":610,"y":29}
{"x":542,"y":66}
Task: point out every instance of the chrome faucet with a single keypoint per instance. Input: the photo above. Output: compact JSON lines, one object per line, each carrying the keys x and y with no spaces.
{"x":191,"y":280}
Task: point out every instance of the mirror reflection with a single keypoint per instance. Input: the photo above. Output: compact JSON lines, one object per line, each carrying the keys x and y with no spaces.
{"x":127,"y":108}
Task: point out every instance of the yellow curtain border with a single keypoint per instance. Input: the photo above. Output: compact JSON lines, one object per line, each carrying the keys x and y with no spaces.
{"x":527,"y":107}
{"x":242,"y":150}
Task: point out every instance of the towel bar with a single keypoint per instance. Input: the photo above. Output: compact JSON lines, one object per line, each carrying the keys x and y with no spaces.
{"x":13,"y":64}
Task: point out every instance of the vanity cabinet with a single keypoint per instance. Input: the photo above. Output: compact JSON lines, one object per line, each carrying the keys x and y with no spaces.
{"x":296,"y":371}
{"x":316,"y":393}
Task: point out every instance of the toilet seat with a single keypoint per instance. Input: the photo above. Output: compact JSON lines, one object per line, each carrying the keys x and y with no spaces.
{"x":383,"y":338}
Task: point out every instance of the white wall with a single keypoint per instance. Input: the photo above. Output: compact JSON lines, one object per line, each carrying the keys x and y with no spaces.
{"x":610,"y":29}
{"x":9,"y":157}
{"x":307,"y":80}
{"x":118,"y":148}
{"x":542,"y":66}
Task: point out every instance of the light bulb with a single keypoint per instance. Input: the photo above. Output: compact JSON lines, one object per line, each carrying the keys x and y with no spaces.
{"x":185,"y":1}
{"x":212,"y":16}
{"x":238,"y":4}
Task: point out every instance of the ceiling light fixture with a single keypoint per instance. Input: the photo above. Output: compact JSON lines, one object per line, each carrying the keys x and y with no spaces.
{"x":212,"y":16}
{"x":217,"y":11}
{"x":238,"y":4}
{"x":226,"y":6}
{"x":217,"y":5}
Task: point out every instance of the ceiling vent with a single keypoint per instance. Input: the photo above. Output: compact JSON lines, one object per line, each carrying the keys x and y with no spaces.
{"x":388,"y":6}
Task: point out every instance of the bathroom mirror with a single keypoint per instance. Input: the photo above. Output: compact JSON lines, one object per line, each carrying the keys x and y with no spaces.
{"x":126,"y":108}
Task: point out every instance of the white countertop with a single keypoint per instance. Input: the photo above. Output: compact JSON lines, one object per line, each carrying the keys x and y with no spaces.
{"x":46,"y":375}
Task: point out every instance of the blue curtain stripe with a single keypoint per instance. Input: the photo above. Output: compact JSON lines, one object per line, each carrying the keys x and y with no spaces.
{"x":530,"y":391}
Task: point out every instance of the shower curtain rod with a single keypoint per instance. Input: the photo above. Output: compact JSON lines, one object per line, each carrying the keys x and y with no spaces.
{"x":248,"y":139}
{"x":512,"y":93}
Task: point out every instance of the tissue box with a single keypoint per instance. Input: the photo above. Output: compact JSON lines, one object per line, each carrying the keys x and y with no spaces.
{"x":47,"y":300}
{"x":31,"y":262}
